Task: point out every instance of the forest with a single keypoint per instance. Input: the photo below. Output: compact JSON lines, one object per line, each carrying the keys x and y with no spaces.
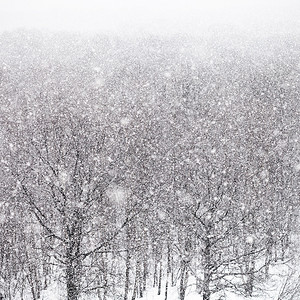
{"x":157,"y":165}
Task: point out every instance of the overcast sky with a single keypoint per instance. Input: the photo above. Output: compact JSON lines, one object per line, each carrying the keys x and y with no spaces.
{"x":154,"y":16}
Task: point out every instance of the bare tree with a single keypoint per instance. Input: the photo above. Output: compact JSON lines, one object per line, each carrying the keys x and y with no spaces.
{"x":59,"y":163}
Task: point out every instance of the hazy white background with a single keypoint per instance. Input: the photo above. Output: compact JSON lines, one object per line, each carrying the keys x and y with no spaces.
{"x":154,"y":16}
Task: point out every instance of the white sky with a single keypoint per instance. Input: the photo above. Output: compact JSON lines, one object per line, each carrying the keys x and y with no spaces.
{"x":128,"y":16}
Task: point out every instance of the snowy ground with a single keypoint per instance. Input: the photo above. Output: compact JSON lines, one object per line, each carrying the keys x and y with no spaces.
{"x":270,"y":290}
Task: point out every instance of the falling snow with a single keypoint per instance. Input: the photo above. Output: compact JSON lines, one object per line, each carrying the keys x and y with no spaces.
{"x":149,"y":151}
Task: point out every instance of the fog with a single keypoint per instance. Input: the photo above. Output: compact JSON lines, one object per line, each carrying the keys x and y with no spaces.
{"x":149,"y":149}
{"x":155,"y":17}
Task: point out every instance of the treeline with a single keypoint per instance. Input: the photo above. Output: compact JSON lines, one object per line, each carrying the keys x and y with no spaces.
{"x":159,"y":163}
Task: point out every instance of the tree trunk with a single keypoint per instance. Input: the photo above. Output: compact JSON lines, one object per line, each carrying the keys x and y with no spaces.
{"x":267,"y":261}
{"x":140,"y":279}
{"x":173,"y":279}
{"x":74,"y":263}
{"x":105,"y":275}
{"x":127,"y":275}
{"x":134,"y":288}
{"x":183,"y":280}
{"x":159,"y":278}
{"x":72,"y":279}
{"x":155,"y":274}
{"x":250,"y":281}
{"x":168,"y":271}
{"x":145,"y":273}
{"x":206,"y":289}
{"x":35,"y":284}
{"x":207,"y":270}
